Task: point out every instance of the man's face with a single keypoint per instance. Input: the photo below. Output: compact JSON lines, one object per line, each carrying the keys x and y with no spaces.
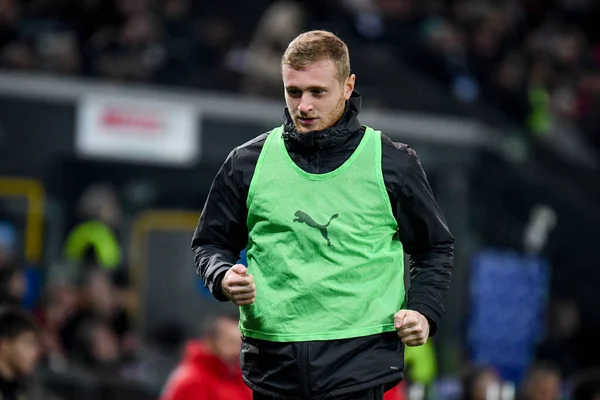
{"x":100,"y":292}
{"x":314,"y":96}
{"x":21,"y":352}
{"x":228,"y":341}
{"x":18,"y":285}
{"x":544,"y":386}
{"x":485,"y":379}
{"x":104,"y":344}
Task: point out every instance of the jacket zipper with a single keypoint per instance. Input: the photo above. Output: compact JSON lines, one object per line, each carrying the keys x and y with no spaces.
{"x":303,"y":366}
{"x":319,"y":165}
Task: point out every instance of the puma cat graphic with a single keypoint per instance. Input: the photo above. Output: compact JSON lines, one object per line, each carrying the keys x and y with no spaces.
{"x":303,"y":217}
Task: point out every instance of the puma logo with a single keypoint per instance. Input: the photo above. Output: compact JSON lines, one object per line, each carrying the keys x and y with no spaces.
{"x":303,"y":217}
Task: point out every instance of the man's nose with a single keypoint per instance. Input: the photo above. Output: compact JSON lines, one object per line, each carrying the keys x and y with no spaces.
{"x":305,"y":105}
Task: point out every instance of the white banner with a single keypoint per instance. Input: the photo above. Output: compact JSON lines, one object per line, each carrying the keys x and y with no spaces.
{"x":136,"y":129}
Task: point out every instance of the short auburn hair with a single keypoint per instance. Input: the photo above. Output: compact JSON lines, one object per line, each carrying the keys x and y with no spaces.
{"x":312,"y":46}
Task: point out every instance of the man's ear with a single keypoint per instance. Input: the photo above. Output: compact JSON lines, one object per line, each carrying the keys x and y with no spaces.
{"x":349,"y":86}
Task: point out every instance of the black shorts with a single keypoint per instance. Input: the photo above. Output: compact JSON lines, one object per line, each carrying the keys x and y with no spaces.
{"x":323,"y":370}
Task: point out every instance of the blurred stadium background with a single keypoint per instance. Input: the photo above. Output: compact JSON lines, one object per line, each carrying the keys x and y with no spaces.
{"x":116,"y":114}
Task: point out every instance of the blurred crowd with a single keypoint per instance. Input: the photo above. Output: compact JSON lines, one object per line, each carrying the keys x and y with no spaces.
{"x":531,"y":59}
{"x":70,"y":330}
{"x":81,"y":310}
{"x":75,"y":322}
{"x":171,"y":41}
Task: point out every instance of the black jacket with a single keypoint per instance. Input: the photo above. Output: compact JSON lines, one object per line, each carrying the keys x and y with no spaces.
{"x":340,"y":365}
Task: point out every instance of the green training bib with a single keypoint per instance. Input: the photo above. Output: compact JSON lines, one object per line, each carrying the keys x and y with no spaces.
{"x":323,"y":248}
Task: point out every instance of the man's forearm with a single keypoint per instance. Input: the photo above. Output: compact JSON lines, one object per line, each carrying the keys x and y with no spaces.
{"x":430,"y":275}
{"x":212,"y":263}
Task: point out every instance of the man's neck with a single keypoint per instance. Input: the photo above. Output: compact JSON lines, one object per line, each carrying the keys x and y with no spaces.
{"x":6,"y":372}
{"x":213,"y":351}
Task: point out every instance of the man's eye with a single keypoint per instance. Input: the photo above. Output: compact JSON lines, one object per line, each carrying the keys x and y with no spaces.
{"x":318,"y":92}
{"x":294,"y":93}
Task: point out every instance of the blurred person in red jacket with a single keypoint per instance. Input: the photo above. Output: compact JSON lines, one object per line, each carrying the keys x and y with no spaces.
{"x":398,"y":392}
{"x":210,"y":367}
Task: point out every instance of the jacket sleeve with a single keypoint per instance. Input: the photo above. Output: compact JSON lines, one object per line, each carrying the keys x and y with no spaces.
{"x":185,"y":389}
{"x":427,"y":239}
{"x":221,"y":233}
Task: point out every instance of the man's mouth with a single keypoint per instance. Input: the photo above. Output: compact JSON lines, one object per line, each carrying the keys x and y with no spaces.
{"x":306,"y":121}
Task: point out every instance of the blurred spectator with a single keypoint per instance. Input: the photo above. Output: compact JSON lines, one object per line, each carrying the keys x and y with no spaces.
{"x":476,"y":382}
{"x":448,"y":43}
{"x":99,"y":316}
{"x":59,"y":52}
{"x":126,"y":300}
{"x":398,"y":392}
{"x":58,"y":305}
{"x":27,"y":281}
{"x":13,"y":286}
{"x":19,"y":355}
{"x":543,"y":382}
{"x":94,"y":240}
{"x":15,"y":52}
{"x":281,"y":23}
{"x":133,"y":52}
{"x":98,"y":347}
{"x":210,"y":369}
{"x":558,"y":346}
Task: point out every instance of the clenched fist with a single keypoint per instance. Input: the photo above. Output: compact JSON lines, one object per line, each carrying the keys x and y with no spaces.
{"x":412,"y":327}
{"x":238,"y":286}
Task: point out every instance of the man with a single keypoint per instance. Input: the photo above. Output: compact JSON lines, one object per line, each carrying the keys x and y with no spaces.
{"x":477,"y":380}
{"x":24,"y":283}
{"x":542,"y":382}
{"x":19,"y":354}
{"x":327,"y":208}
{"x":210,"y":369}
{"x":13,"y":286}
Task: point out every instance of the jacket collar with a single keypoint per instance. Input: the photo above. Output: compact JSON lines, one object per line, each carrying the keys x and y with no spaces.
{"x":336,"y":135}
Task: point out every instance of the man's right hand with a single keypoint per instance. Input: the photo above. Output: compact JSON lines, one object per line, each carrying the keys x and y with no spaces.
{"x":238,"y":286}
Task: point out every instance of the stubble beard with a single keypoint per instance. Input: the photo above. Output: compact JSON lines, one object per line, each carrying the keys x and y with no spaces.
{"x":337,"y":114}
{"x":327,"y":123}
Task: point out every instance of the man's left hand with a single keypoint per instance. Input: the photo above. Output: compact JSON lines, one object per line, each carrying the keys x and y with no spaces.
{"x":412,"y":327}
